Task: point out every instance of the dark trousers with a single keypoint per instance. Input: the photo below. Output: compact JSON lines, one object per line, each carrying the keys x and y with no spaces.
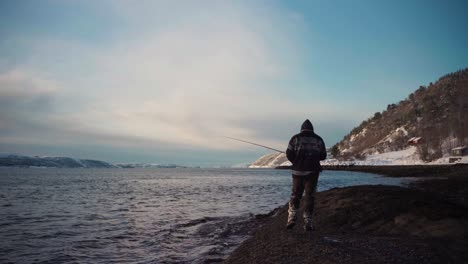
{"x":301,"y":183}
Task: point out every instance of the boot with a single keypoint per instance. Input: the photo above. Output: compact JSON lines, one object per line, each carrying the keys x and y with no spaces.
{"x":291,"y":217}
{"x":308,"y":226}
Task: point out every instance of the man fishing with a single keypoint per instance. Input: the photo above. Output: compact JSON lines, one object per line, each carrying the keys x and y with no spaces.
{"x":305,"y":151}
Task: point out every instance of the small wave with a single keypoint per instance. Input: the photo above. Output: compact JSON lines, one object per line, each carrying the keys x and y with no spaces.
{"x":198,"y":221}
{"x":138,"y":216}
{"x":60,"y":234}
{"x":119,"y":210}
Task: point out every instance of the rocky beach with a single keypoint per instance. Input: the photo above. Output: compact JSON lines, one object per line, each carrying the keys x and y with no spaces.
{"x":426,"y":222}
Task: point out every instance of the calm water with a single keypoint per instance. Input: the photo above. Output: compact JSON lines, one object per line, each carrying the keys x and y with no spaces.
{"x":139,"y":215}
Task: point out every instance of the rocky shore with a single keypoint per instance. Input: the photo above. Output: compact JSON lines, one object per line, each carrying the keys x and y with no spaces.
{"x":425,"y":223}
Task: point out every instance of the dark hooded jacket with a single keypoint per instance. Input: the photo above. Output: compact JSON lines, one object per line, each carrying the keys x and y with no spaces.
{"x":306,"y":150}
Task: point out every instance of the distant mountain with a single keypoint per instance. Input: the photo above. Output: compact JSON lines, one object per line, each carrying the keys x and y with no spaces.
{"x":58,"y":162}
{"x":433,"y":118}
{"x":271,"y":161}
{"x":15,"y":160}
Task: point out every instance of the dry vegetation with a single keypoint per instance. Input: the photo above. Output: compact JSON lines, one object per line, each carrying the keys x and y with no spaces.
{"x":438,"y":113}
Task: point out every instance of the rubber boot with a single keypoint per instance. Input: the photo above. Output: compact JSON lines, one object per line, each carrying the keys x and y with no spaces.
{"x":308,"y":226}
{"x":292,"y":217}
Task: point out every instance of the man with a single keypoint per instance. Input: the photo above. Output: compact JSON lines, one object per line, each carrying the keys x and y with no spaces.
{"x":305,"y":151}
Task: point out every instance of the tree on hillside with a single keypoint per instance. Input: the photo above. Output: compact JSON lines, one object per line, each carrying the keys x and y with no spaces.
{"x":335,"y":151}
{"x":377,"y":115}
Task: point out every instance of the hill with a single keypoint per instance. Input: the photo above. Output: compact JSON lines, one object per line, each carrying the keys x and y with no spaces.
{"x":271,"y":161}
{"x":434,"y":118}
{"x":58,"y":162}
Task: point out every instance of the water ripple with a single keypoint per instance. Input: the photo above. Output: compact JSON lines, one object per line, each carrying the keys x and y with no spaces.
{"x":139,"y":215}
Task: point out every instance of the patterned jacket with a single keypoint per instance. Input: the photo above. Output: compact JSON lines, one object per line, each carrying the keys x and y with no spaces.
{"x":306,"y":150}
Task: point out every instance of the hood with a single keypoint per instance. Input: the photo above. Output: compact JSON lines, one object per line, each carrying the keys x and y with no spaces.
{"x":307,"y":126}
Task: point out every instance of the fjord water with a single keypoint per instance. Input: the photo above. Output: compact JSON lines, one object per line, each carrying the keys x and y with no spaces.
{"x":140,"y":215}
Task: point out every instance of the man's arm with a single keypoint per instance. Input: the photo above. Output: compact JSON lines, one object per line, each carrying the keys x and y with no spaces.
{"x":323,"y":151}
{"x":291,"y":151}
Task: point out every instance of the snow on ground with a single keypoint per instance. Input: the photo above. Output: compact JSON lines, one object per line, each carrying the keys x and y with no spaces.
{"x":360,"y":134}
{"x":394,"y":134}
{"x":269,"y":161}
{"x":402,"y":130}
{"x":407,"y":156}
{"x":445,"y":160}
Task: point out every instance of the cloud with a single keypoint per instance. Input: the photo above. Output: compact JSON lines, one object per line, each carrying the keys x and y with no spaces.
{"x":24,"y":96}
{"x":181,"y":75}
{"x":17,"y":85}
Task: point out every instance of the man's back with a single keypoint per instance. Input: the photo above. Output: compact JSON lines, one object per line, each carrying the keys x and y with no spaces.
{"x":306,"y":149}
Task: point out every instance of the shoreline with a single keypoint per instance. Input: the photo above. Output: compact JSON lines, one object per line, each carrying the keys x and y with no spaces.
{"x":441,"y":170}
{"x":425,"y":171}
{"x":424,"y":223}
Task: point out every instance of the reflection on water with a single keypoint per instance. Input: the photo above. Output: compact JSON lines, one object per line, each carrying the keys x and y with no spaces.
{"x":139,"y":215}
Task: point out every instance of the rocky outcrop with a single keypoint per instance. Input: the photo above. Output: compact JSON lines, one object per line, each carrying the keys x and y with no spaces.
{"x":364,"y":224}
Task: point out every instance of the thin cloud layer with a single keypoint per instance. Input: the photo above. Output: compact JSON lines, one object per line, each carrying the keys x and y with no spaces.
{"x":186,"y":82}
{"x":156,"y":79}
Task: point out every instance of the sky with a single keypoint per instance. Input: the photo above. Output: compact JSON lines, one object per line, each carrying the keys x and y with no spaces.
{"x":166,"y":81}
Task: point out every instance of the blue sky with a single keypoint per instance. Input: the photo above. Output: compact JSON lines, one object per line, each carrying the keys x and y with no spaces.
{"x":164,"y":81}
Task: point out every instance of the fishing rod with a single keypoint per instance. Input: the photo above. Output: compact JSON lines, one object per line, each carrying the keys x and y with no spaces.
{"x":254,"y":144}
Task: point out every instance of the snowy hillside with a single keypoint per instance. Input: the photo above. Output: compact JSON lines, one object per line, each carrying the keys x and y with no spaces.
{"x":271,"y":161}
{"x":433,"y":118}
{"x":13,"y":160}
{"x":408,"y":156}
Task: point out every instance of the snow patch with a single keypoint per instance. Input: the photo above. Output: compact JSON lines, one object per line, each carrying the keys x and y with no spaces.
{"x":270,"y":161}
{"x":394,"y":134}
{"x":358,"y":135}
{"x":408,"y":156}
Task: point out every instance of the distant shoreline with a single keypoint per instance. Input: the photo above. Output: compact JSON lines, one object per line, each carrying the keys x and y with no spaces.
{"x":442,"y":170}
